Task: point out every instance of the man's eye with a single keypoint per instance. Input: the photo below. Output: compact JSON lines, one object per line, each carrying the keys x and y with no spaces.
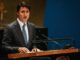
{"x":22,"y":11}
{"x":27,"y":11}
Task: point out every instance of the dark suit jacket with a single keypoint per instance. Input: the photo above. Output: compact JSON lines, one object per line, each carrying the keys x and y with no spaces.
{"x":13,"y":38}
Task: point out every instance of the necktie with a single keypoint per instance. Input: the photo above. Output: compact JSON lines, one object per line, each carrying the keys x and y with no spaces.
{"x":24,"y":34}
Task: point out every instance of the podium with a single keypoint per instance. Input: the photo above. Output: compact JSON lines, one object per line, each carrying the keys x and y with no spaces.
{"x":43,"y":53}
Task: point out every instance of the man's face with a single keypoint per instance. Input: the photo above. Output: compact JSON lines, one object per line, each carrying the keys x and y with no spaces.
{"x":23,"y":14}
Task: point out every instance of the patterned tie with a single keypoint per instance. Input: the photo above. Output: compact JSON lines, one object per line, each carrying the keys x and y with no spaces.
{"x":24,"y":33}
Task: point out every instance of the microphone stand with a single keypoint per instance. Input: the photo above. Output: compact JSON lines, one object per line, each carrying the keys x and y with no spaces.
{"x":46,"y":40}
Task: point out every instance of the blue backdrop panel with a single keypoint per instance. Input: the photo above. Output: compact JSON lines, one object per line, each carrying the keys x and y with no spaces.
{"x":62,"y":18}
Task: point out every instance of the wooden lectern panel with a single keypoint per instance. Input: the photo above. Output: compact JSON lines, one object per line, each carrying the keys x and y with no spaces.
{"x":43,"y":53}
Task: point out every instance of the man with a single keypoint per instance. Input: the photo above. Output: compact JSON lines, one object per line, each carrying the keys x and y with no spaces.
{"x":14,"y":39}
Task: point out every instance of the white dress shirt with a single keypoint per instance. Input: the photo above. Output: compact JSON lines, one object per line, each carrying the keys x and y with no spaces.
{"x":26,"y":28}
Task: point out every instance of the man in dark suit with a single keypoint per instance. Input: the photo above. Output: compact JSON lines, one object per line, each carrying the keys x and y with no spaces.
{"x":14,"y":39}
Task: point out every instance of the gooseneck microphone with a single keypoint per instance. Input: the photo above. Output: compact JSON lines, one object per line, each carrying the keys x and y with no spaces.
{"x":49,"y":39}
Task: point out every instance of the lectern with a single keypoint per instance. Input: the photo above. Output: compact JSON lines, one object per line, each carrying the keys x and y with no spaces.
{"x":43,"y":53}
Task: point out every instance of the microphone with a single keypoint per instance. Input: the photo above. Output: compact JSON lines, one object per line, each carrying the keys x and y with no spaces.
{"x":49,"y":39}
{"x":39,"y":43}
{"x":41,"y":35}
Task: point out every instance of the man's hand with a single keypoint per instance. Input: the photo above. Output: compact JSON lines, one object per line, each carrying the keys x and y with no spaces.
{"x":36,"y":50}
{"x":23,"y":50}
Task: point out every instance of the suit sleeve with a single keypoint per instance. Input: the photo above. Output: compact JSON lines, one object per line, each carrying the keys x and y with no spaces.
{"x":7,"y":41}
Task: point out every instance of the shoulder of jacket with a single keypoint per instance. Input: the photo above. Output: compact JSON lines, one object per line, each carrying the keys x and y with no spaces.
{"x":11,"y":24}
{"x":34,"y":25}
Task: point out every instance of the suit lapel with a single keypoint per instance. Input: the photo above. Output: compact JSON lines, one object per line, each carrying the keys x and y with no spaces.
{"x":19,"y":33}
{"x":30,"y":32}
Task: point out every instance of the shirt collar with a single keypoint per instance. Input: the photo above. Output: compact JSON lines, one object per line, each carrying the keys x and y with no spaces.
{"x":21,"y":23}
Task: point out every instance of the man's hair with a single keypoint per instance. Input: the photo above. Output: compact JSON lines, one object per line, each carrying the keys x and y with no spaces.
{"x":23,"y":4}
